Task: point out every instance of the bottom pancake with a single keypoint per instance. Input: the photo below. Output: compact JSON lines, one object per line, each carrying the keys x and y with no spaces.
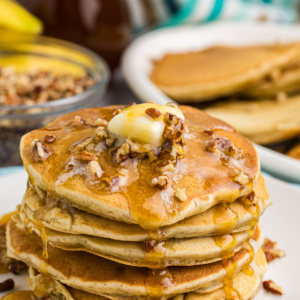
{"x":102,"y":277}
{"x":246,"y":286}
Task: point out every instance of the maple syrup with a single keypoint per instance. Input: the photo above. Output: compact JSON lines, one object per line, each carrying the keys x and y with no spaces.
{"x":224,"y":218}
{"x":18,"y":295}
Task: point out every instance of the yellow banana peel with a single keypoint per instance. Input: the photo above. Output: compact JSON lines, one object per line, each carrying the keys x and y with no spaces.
{"x":14,"y":17}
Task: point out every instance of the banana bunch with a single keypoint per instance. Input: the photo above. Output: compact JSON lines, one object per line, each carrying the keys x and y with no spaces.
{"x":16,"y":18}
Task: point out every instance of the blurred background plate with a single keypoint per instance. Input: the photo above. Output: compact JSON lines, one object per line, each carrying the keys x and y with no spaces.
{"x":137,"y":63}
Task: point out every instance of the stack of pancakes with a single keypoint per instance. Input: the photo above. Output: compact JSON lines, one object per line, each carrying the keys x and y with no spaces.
{"x":115,"y":235}
{"x":256,"y":87}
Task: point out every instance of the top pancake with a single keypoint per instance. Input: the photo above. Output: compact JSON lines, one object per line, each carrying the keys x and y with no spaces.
{"x":217,"y":71}
{"x":206,"y":177}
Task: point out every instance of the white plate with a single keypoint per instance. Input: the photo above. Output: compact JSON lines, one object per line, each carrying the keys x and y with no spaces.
{"x":137,"y":64}
{"x":280,"y":223}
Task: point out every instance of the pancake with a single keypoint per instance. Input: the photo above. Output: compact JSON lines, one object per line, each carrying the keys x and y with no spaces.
{"x":206,"y":178}
{"x":173,"y":252}
{"x":222,"y":218}
{"x":262,"y":121}
{"x":217,"y":71}
{"x":99,"y":276}
{"x":246,"y":285}
{"x":286,"y":79}
{"x":294,"y":152}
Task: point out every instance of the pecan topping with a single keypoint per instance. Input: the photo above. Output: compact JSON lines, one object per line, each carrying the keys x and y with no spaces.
{"x":100,"y":134}
{"x":250,"y":200}
{"x":160,"y":182}
{"x":97,"y":122}
{"x":95,"y":169}
{"x":7,"y":285}
{"x":165,"y":167}
{"x":85,"y":156}
{"x":78,"y":121}
{"x":109,"y":142}
{"x":49,"y":139}
{"x":41,"y":151}
{"x":242,"y":178}
{"x":116,"y":112}
{"x":122,"y":153}
{"x":180,"y":194}
{"x":149,"y":246}
{"x":81,"y":144}
{"x":208,"y":132}
{"x":153,"y":113}
{"x":16,"y":267}
{"x":271,"y":287}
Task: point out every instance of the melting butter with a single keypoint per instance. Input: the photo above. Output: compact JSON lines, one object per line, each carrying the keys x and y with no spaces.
{"x":133,"y":122}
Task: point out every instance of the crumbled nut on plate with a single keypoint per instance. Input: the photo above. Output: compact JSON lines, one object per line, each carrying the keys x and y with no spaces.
{"x":271,"y":252}
{"x":271,"y":287}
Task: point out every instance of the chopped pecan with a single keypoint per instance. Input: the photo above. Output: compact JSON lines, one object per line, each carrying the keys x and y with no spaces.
{"x":16,"y":267}
{"x":271,"y":252}
{"x":97,"y":122}
{"x":78,"y":121}
{"x":7,"y":285}
{"x":41,"y":151}
{"x":149,"y":246}
{"x":242,"y":178}
{"x":165,"y":167}
{"x":160,"y":181}
{"x":250,"y":200}
{"x":81,"y":144}
{"x":153,"y":113}
{"x":95,"y":169}
{"x":115,"y":180}
{"x":100,"y":133}
{"x":116,"y":112}
{"x":109,"y":141}
{"x":122,"y":153}
{"x":49,"y":138}
{"x":208,"y":132}
{"x":85,"y":156}
{"x":180,"y":194}
{"x":271,"y":287}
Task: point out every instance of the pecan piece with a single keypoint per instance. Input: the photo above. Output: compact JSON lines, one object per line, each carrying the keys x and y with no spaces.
{"x":180,"y":194}
{"x":160,"y":182}
{"x":95,"y":169}
{"x":78,"y":121}
{"x":81,"y":144}
{"x":100,"y":133}
{"x":41,"y":151}
{"x":49,"y":139}
{"x":16,"y":267}
{"x":271,"y":287}
{"x":122,"y":153}
{"x":153,"y":113}
{"x":7,"y":285}
{"x":242,"y":179}
{"x":85,"y":156}
{"x":149,"y":246}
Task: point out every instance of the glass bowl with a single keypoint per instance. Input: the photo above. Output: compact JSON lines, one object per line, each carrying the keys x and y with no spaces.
{"x":46,"y":54}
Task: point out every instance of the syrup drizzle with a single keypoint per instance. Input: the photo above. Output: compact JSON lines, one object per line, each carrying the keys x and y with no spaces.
{"x":19,"y":295}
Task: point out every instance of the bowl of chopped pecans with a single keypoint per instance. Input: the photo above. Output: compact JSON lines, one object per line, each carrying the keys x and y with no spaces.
{"x":41,"y":79}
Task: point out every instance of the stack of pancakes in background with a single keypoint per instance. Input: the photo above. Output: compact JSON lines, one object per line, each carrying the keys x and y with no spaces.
{"x":256,"y":89}
{"x":101,"y":219}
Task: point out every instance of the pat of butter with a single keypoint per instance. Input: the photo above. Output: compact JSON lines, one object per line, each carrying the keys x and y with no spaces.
{"x":134,"y":123}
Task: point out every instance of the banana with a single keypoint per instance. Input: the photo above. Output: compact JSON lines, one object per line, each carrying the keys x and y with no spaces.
{"x":14,"y":17}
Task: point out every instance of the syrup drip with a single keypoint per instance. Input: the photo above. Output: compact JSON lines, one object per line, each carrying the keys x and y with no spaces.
{"x":157,"y":281}
{"x":247,"y":269}
{"x":158,"y":254}
{"x":43,"y":267}
{"x":224,"y":218}
{"x":229,"y":265}
{"x":227,"y":243}
{"x":19,"y":295}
